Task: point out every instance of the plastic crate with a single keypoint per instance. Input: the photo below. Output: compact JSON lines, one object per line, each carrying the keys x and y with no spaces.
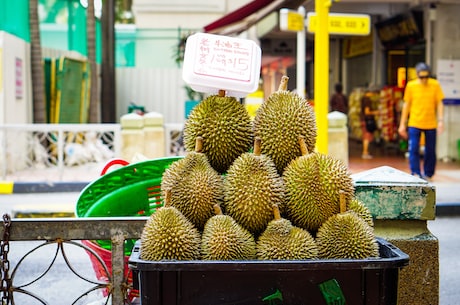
{"x":320,"y":281}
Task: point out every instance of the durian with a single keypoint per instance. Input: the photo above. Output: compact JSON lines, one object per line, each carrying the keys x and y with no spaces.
{"x":196,"y":186}
{"x":280,"y":120}
{"x":346,"y":235}
{"x":224,"y":239}
{"x":282,"y":240}
{"x":312,"y":183}
{"x":225,"y":126}
{"x":168,"y":235}
{"x":251,"y":187}
{"x":361,"y":210}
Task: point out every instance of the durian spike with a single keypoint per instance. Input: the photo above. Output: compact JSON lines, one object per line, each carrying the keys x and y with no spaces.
{"x":167,"y":198}
{"x":343,"y":202}
{"x":283,"y":83}
{"x":221,"y":93}
{"x":217,"y":209}
{"x":303,"y":146}
{"x":199,"y":144}
{"x":257,"y":142}
{"x":276,"y":212}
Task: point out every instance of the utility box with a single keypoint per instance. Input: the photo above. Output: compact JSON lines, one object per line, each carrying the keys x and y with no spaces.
{"x":338,"y":136}
{"x":401,"y":205}
{"x":317,"y":281}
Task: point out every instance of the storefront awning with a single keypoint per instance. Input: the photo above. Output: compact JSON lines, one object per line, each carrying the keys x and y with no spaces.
{"x":244,"y":17}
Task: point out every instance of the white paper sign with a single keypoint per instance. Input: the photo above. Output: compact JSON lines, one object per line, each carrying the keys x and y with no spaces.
{"x":215,"y":62}
{"x":449,"y":77}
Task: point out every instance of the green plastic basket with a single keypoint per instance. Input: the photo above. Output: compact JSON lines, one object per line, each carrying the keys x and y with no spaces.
{"x":132,"y":190}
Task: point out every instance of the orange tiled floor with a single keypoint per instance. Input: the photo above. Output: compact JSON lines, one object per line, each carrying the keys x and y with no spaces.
{"x":384,"y":156}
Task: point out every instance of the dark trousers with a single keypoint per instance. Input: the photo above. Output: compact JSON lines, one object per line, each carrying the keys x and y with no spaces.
{"x":429,"y":155}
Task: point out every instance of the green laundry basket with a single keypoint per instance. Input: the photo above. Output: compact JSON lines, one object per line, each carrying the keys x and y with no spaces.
{"x":132,"y":190}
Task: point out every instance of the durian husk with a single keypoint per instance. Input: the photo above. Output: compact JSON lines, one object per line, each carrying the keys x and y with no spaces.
{"x":226,"y":128}
{"x":283,"y":241}
{"x":224,"y":239}
{"x":252,"y":185}
{"x":346,"y":235}
{"x":313,"y":182}
{"x":169,"y":235}
{"x":361,"y":210}
{"x":196,"y":186}
{"x":280,"y":120}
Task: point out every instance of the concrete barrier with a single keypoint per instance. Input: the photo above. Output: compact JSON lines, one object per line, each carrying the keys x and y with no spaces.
{"x":401,"y":205}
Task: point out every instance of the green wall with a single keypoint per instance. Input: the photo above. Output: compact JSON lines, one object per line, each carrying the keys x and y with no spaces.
{"x":14,"y":18}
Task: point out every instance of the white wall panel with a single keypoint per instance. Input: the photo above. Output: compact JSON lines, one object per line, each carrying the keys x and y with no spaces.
{"x":159,"y":90}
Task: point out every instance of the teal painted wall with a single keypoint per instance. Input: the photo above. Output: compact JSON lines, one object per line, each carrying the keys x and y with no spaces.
{"x":14,"y":18}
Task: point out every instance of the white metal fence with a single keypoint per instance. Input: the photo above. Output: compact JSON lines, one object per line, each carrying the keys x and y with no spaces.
{"x":67,"y":152}
{"x":41,"y":152}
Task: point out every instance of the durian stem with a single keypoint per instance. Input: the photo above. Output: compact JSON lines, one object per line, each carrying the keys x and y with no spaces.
{"x":257,"y":142}
{"x":283,"y":83}
{"x":276,"y":212}
{"x":199,"y":144}
{"x":303,"y":146}
{"x":343,"y":202}
{"x":167,"y":198}
{"x":221,"y":93}
{"x":217,"y":209}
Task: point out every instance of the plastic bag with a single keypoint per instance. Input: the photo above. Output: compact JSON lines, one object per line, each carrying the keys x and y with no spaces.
{"x":371,"y":124}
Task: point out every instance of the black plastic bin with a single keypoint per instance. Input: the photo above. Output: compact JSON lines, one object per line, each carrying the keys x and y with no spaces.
{"x":325,"y":281}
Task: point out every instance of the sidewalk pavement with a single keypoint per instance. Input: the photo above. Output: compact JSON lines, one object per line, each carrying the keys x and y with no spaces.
{"x":446,"y":179}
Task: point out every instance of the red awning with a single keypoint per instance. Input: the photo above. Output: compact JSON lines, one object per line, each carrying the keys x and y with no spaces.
{"x":237,"y":15}
{"x":247,"y":16}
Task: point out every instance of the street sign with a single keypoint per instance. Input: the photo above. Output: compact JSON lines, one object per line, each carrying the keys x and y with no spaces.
{"x":291,"y":20}
{"x":342,"y":24}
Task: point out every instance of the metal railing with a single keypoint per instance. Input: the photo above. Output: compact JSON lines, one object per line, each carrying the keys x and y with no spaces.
{"x":62,"y":231}
{"x":62,"y":152}
{"x":25,"y":148}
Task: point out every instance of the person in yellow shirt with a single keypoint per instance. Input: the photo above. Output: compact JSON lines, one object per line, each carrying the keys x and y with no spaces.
{"x":423,"y":112}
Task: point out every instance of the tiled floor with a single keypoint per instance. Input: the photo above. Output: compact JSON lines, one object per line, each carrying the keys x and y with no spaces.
{"x":390,"y":156}
{"x":382,"y":156}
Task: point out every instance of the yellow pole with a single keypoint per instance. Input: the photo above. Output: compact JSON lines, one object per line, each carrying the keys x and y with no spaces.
{"x":321,"y":87}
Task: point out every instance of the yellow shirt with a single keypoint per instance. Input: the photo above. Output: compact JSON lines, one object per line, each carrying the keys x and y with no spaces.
{"x":423,"y":102}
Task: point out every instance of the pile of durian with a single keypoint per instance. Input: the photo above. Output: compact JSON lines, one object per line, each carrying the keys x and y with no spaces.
{"x":250,"y":190}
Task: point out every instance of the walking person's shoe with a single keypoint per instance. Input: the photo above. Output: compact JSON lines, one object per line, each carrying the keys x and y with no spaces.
{"x":426,"y":178}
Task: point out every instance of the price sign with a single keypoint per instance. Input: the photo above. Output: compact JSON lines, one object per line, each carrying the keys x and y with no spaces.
{"x":215,"y":62}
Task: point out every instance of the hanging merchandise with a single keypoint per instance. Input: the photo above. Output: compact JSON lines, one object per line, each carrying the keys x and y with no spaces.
{"x":354,"y":113}
{"x":391,"y":104}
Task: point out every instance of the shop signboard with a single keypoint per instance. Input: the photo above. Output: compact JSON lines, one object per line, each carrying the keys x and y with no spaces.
{"x":402,"y":29}
{"x":449,"y":77}
{"x":342,"y":24}
{"x":291,"y":20}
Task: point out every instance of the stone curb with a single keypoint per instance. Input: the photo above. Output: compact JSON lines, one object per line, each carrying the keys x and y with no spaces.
{"x":7,"y":187}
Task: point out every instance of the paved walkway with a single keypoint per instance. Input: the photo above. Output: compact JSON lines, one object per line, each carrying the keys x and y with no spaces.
{"x":446,"y":179}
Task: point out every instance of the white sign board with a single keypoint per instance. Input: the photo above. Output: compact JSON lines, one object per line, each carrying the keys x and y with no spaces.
{"x":448,"y":75}
{"x":215,"y":62}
